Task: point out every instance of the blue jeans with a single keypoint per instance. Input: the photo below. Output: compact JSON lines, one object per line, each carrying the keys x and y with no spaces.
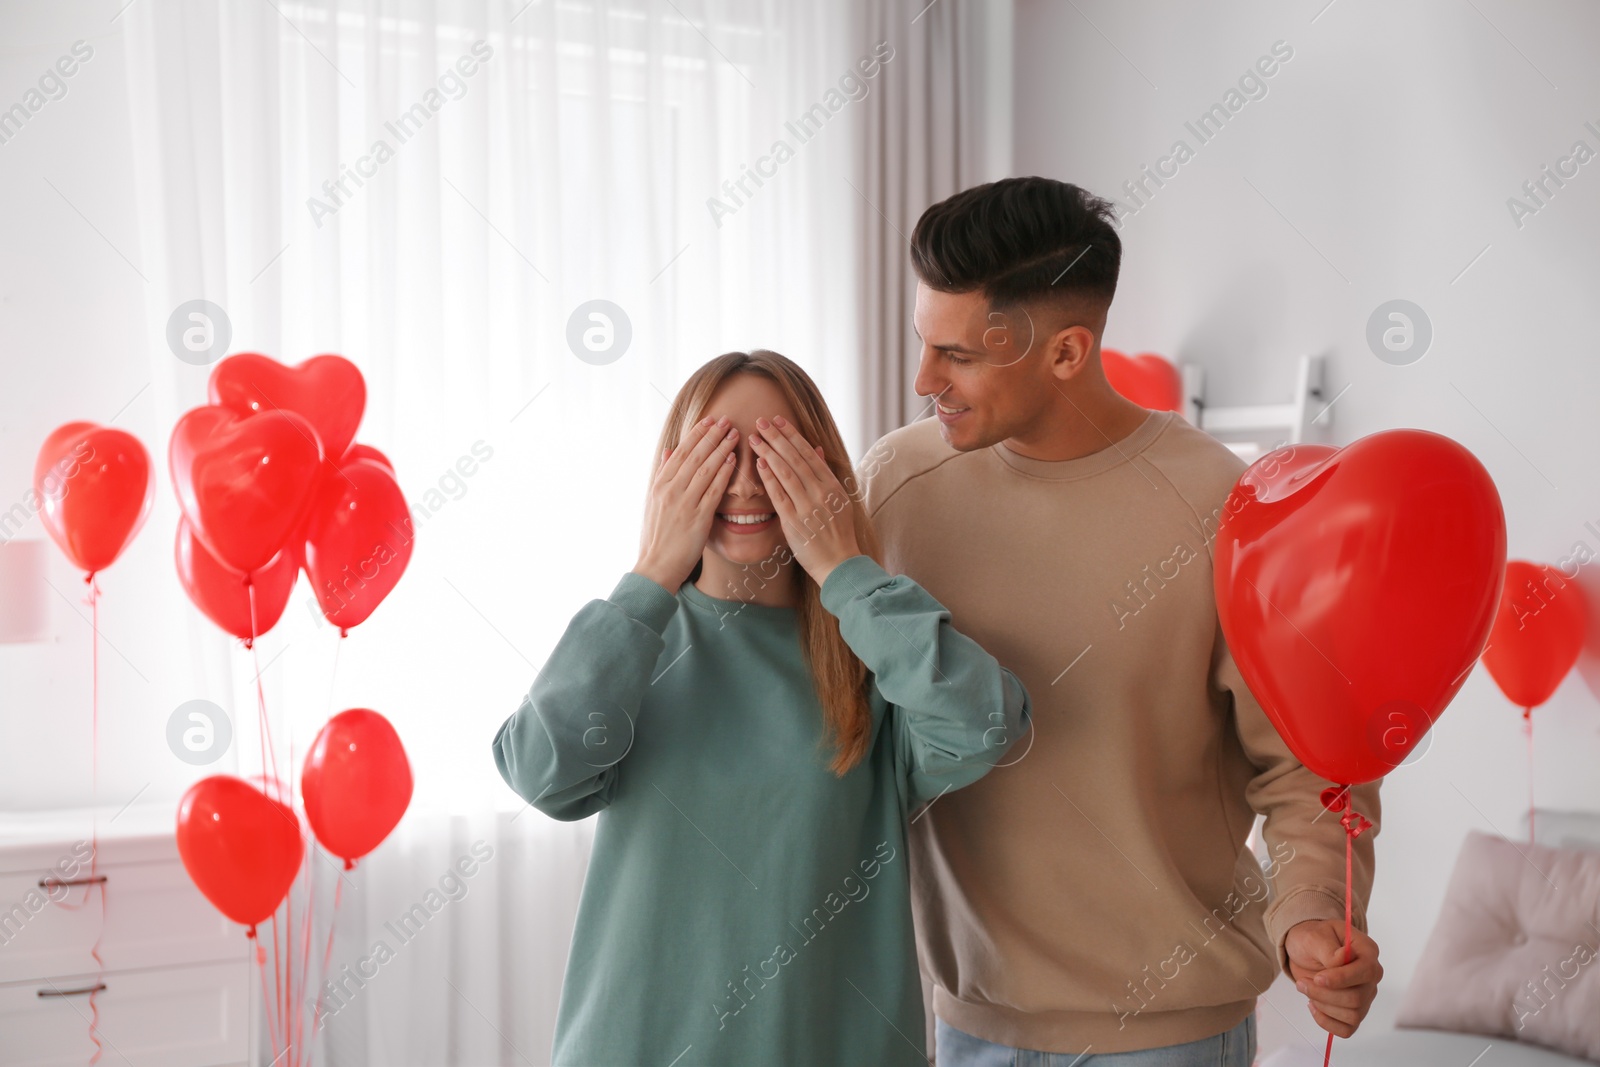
{"x":1235,"y":1048}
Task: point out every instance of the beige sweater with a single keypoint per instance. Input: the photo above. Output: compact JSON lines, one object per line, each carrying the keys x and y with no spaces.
{"x":1096,"y":890}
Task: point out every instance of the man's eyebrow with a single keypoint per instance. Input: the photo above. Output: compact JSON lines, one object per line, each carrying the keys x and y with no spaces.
{"x":950,"y":348}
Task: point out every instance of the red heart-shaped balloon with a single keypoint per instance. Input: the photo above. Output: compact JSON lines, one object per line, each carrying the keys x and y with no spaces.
{"x":95,"y":491}
{"x":360,"y":451}
{"x":1356,"y":587}
{"x":1146,"y":379}
{"x":1537,"y":635}
{"x":358,"y":540}
{"x":356,"y":783}
{"x":241,"y":847}
{"x":327,"y":391}
{"x":244,"y":484}
{"x":222,"y":593}
{"x":330,"y":469}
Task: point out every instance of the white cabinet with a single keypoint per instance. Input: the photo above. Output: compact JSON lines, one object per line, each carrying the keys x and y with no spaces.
{"x":177,"y":985}
{"x":196,"y":1015}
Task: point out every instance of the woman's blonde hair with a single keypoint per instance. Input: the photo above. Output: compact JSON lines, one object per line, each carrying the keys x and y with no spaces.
{"x":838,"y":674}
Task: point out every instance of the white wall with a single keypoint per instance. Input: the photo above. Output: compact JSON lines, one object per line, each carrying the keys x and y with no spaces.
{"x":72,"y":346}
{"x":1377,"y":166}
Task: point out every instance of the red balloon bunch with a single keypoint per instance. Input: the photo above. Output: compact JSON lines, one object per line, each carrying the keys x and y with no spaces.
{"x":1356,"y":587}
{"x":242,"y":843}
{"x":1147,"y":379}
{"x":94,"y":491}
{"x":270,"y":481}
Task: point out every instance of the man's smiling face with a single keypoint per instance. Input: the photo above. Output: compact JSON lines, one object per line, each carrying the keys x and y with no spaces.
{"x":986,"y":369}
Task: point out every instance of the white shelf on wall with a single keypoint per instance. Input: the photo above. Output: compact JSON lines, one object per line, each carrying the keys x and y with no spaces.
{"x":23,"y":563}
{"x":1253,"y":430}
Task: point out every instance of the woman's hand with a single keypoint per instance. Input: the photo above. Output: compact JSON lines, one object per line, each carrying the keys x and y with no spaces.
{"x":683,"y":502}
{"x":814,"y":509}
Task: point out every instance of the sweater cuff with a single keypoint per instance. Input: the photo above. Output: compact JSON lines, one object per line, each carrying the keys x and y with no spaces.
{"x":854,"y":577}
{"x":1302,"y":903}
{"x":645,"y":599}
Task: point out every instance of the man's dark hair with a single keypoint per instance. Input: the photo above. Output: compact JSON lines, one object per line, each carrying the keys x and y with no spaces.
{"x":1020,"y":240}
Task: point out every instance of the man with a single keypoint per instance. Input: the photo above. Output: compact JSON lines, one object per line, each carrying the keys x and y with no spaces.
{"x":1095,"y":893}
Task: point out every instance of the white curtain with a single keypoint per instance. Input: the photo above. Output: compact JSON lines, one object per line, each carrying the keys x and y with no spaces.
{"x":941,"y":123}
{"x":431,"y":189}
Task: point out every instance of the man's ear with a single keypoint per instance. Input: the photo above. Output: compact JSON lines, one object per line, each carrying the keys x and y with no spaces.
{"x":1069,"y":350}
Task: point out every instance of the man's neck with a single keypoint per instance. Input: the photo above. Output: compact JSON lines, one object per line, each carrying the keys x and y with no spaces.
{"x":1079,"y":427}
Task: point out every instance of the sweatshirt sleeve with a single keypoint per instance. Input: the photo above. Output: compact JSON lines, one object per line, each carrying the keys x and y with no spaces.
{"x":1309,"y":878}
{"x":560,"y":750}
{"x":955,"y":710}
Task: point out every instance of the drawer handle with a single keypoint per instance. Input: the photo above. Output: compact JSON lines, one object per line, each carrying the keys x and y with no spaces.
{"x":71,"y":992}
{"x":49,"y":883}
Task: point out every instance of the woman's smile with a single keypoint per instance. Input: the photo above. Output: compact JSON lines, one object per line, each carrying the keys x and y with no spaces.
{"x":746,"y":522}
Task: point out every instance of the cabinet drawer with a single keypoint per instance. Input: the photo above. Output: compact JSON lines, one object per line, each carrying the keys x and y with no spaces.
{"x":196,"y":1016}
{"x":154,"y":916}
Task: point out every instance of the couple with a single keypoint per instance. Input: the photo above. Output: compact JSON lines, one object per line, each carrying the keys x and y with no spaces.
{"x":795,"y":753}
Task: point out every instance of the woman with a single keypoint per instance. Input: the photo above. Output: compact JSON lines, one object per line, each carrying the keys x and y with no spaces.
{"x":756,"y":711}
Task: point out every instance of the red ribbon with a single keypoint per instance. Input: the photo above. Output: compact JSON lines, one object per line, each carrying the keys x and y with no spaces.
{"x":1337,"y":798}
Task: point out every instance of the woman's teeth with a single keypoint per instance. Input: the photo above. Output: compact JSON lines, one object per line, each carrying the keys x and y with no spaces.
{"x":745,"y":520}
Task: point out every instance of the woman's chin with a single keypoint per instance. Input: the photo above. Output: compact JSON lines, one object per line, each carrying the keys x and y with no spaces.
{"x":746,"y":549}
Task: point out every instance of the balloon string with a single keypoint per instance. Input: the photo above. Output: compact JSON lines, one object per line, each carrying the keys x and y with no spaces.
{"x":305,"y":951}
{"x":272,"y":1029}
{"x":338,"y":887}
{"x":266,"y":1001}
{"x":292,"y":1013}
{"x":1527,"y":721}
{"x":327,"y":954}
{"x":261,"y":696}
{"x":1354,"y":823}
{"x":277,"y":980}
{"x":94,"y":811}
{"x":311,"y":903}
{"x":288,"y":977}
{"x":271,"y":784}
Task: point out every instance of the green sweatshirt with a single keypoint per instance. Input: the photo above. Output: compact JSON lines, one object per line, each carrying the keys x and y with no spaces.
{"x":743,"y":904}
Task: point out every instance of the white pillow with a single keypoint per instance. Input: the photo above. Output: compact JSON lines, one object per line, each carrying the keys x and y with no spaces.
{"x":1516,"y":949}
